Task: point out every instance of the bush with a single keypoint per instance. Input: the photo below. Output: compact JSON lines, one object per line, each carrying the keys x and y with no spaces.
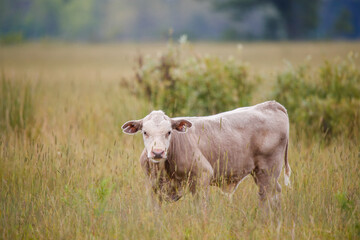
{"x":326,"y":101}
{"x":16,"y":105}
{"x":193,"y":85}
{"x":12,"y":38}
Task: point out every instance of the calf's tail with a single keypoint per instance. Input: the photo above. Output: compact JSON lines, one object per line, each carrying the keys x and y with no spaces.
{"x":287,"y":166}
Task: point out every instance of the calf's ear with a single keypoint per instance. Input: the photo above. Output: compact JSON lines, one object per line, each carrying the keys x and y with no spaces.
{"x":181,"y":125}
{"x":132,"y":127}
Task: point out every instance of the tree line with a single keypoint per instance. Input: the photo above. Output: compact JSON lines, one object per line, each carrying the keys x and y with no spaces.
{"x":99,"y":20}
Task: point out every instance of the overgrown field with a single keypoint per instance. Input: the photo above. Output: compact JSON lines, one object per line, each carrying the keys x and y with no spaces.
{"x":68,"y":172}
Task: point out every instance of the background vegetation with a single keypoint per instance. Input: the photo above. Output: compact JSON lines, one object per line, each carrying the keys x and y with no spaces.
{"x":77,"y":176}
{"x":324,"y":100}
{"x":192,"y":85}
{"x":17,"y":105}
{"x":138,"y":20}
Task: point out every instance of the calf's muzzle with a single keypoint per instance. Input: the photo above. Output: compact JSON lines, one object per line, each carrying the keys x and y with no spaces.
{"x":157,"y":153}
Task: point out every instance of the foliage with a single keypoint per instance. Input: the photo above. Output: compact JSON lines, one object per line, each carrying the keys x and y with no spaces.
{"x":16,"y":105}
{"x":97,"y":201}
{"x":343,"y":23}
{"x":78,"y":19}
{"x":300,"y":17}
{"x":344,"y":202}
{"x":12,"y":38}
{"x":108,"y":20}
{"x":327,"y":101}
{"x":195,"y":85}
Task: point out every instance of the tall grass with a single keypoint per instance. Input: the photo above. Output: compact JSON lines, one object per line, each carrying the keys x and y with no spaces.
{"x":16,"y":104}
{"x":80,"y":178}
{"x":88,"y":191}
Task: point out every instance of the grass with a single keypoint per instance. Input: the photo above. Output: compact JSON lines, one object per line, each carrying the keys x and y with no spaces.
{"x":79,"y":177}
{"x":16,"y":109}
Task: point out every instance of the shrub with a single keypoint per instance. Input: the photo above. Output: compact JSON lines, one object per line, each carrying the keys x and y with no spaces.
{"x":192,"y":85}
{"x":326,"y":101}
{"x":12,"y":38}
{"x":16,"y":105}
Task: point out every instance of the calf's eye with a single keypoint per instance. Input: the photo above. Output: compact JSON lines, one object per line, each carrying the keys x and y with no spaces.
{"x":169,"y":132}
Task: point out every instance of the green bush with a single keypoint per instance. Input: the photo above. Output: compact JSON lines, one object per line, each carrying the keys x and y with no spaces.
{"x":326,"y":101}
{"x":193,"y":85}
{"x":16,"y":105}
{"x":12,"y":38}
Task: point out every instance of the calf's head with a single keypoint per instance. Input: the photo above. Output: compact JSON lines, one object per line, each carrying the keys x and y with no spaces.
{"x":157,"y":129}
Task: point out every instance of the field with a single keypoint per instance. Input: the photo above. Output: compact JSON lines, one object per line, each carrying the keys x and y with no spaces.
{"x":72,"y":174}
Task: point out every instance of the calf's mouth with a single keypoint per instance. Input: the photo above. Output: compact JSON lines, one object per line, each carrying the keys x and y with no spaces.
{"x":157,"y":159}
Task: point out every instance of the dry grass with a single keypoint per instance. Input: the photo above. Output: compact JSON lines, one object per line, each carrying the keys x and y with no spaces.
{"x":77,"y":177}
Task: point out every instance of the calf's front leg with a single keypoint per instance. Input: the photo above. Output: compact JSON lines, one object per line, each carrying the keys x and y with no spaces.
{"x":203,"y":174}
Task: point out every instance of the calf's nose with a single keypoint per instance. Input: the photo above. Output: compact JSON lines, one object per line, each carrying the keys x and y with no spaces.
{"x":158,"y":153}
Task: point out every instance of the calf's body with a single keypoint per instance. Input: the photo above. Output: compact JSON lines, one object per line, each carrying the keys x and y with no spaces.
{"x":220,"y":150}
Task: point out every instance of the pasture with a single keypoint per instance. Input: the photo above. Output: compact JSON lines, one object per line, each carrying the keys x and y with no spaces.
{"x":68,"y":172}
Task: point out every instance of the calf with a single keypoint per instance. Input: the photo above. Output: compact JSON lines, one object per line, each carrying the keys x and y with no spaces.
{"x":218,"y":150}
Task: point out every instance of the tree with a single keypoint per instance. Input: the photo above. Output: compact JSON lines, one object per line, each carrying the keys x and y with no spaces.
{"x":343,"y":24}
{"x":300,"y":17}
